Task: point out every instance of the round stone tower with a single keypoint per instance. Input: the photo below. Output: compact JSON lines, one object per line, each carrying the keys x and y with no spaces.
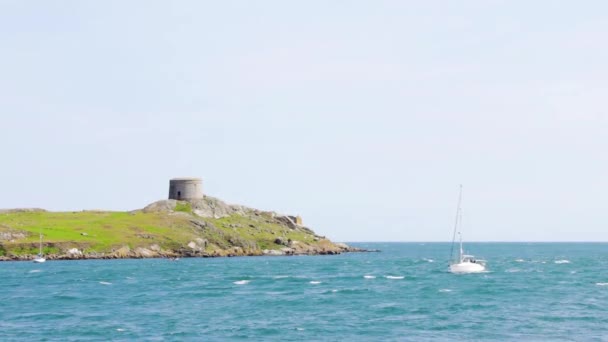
{"x":185,"y":189}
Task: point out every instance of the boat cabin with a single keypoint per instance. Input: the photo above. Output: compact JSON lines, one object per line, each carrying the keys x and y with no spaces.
{"x":469,"y":258}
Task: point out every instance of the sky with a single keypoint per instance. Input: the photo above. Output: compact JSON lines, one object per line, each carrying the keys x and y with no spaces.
{"x":363,"y":117}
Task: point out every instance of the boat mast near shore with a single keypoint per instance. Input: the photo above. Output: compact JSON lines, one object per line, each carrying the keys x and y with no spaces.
{"x":40,"y":258}
{"x":465,"y":263}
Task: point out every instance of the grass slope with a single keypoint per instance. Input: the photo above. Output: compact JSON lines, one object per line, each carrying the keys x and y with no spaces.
{"x":103,"y":232}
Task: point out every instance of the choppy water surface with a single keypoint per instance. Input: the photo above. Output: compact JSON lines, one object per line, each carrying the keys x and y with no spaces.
{"x":533,"y":291}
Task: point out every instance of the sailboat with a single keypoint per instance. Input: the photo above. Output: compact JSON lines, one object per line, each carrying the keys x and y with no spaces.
{"x":40,"y":258}
{"x":465,"y":263}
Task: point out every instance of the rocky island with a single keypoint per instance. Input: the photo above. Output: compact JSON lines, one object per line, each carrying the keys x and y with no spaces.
{"x":198,"y":227}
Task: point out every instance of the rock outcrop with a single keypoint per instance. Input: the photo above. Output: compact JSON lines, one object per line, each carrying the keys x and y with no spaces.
{"x":160,"y":206}
{"x":207,"y":207}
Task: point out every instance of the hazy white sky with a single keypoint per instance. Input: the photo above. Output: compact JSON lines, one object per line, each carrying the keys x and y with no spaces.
{"x":361,"y":116}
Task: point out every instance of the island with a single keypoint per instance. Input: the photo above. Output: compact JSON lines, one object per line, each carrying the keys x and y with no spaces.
{"x":202,"y":226}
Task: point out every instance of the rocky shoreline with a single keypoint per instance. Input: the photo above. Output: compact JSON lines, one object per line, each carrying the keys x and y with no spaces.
{"x":144,"y":253}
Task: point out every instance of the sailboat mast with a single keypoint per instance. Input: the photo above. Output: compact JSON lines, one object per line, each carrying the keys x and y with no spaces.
{"x":461,"y":250}
{"x":456,"y":225}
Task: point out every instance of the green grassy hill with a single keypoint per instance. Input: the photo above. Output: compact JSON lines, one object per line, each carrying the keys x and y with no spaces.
{"x":165,"y":228}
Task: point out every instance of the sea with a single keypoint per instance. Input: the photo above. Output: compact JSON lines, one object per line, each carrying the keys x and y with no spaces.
{"x":531,"y":292}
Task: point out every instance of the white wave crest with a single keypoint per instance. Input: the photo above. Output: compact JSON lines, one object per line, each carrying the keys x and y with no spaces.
{"x":35,"y":271}
{"x":105,"y":283}
{"x":563,"y":261}
{"x":445,"y":290}
{"x":280,"y":277}
{"x":369,"y":277}
{"x":519,"y":260}
{"x":241,"y":282}
{"x":394,"y":277}
{"x":315,"y":282}
{"x":601,"y":284}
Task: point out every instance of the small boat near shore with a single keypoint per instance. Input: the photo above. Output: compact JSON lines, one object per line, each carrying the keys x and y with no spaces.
{"x":40,"y":257}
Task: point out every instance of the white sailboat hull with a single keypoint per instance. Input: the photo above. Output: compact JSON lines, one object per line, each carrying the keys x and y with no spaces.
{"x":40,"y":257}
{"x":467,"y":267}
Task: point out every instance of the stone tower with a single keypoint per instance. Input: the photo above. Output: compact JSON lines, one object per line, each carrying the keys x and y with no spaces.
{"x":185,"y":189}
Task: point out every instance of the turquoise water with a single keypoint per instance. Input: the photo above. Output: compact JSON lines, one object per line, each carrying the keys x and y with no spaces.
{"x":534,"y":291}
